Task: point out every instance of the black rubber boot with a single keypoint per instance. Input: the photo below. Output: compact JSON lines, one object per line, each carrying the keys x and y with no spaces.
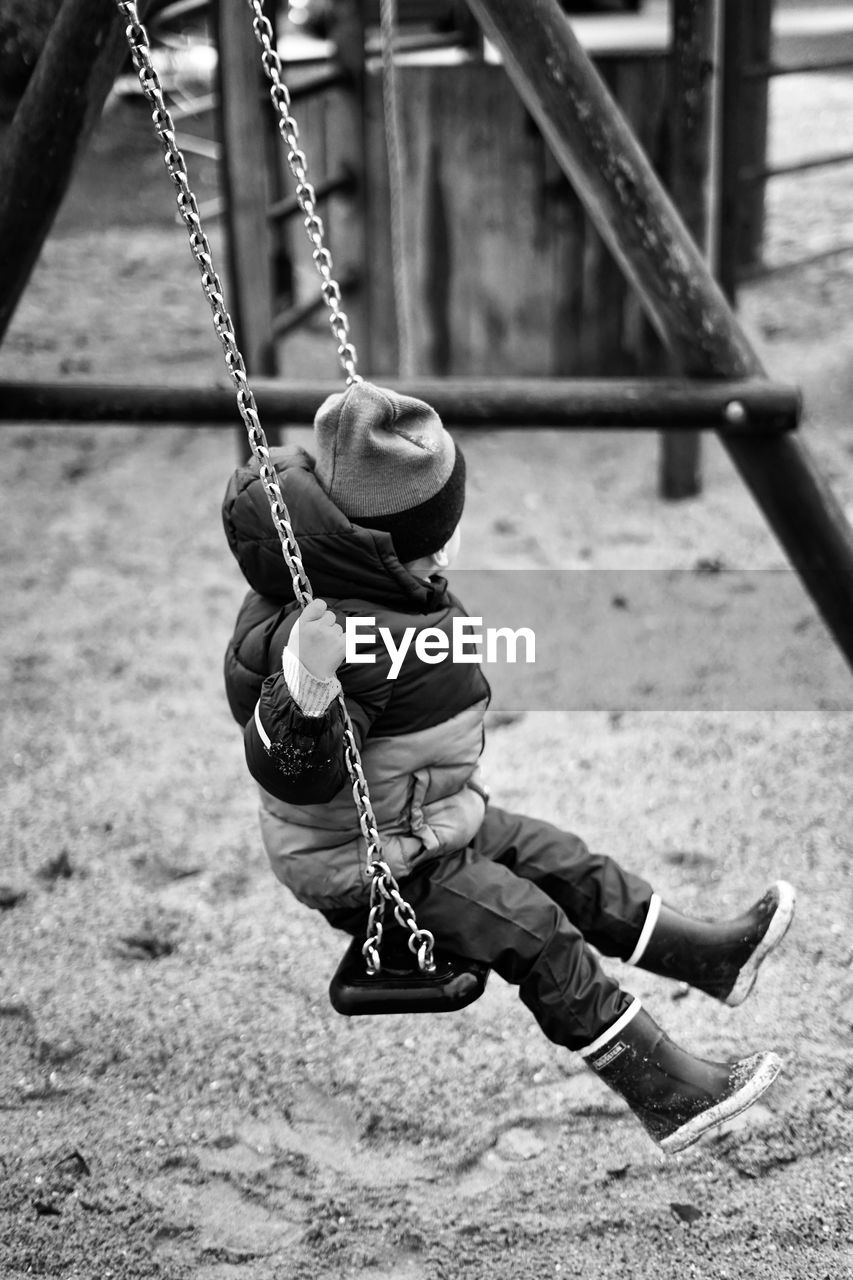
{"x":675,"y":1096}
{"x":721,"y":958}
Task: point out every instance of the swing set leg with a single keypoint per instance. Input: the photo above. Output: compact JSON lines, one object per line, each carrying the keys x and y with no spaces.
{"x":61,"y":104}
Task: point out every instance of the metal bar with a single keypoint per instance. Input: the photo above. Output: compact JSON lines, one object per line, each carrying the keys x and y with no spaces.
{"x":625,"y":199}
{"x":764,"y":270}
{"x":325,"y":51}
{"x":692,"y":102}
{"x":754,"y":125}
{"x":195,"y":106}
{"x":209,"y":210}
{"x":205,"y":147}
{"x":311,"y":85}
{"x":741,"y":407}
{"x":281,"y":209}
{"x":63,"y":99}
{"x":747,"y":36}
{"x":180,"y":9}
{"x":301,"y":312}
{"x":728,"y":240}
{"x":770,"y":70}
{"x":296,"y":316}
{"x":761,"y":173}
{"x":420,"y":43}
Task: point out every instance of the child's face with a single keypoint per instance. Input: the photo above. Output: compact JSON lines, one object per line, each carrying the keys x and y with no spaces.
{"x":439,"y":560}
{"x":451,"y":548}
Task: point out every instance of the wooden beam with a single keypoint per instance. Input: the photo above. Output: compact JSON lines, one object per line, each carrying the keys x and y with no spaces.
{"x":613,"y":177}
{"x":62,"y":102}
{"x":611,"y":174}
{"x":745,"y":407}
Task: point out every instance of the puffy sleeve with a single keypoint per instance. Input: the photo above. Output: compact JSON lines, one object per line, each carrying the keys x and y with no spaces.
{"x":298,"y":758}
{"x":294,"y":741}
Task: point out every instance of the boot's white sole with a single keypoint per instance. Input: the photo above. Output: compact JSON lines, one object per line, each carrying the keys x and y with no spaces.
{"x":758,"y":1071}
{"x":779,"y":924}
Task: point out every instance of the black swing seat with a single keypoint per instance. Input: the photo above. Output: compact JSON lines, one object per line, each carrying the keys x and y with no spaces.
{"x":401,"y":986}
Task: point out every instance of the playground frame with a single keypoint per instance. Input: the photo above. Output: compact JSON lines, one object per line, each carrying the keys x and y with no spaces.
{"x":613,"y":178}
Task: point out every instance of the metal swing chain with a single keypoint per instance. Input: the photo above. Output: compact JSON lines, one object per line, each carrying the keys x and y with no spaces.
{"x":383,"y":884}
{"x":305,"y":193}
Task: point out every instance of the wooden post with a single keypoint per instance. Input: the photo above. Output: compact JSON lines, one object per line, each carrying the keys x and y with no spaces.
{"x":633,"y":212}
{"x":754,"y":121}
{"x":60,"y":105}
{"x":691,"y":139}
{"x":250,"y":249}
{"x":754,"y":95}
{"x":746,"y":42}
{"x":434,"y":292}
{"x":731,"y":146}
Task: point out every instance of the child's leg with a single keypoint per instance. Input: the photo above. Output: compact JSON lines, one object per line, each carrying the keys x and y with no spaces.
{"x":618,"y":913}
{"x":607,"y":904}
{"x":480,"y":909}
{"x":477,"y":906}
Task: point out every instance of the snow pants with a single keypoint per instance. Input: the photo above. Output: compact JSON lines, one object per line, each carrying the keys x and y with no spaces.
{"x":532,"y":901}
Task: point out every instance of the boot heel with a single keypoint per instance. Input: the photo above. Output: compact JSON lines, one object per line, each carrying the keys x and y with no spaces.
{"x":756,"y":1074}
{"x":676,"y":1096}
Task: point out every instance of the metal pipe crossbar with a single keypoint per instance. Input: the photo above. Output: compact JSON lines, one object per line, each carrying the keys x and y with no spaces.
{"x":761,"y":173}
{"x":290,"y":207}
{"x":742,"y":407}
{"x":769,"y":70}
{"x":320,"y":83}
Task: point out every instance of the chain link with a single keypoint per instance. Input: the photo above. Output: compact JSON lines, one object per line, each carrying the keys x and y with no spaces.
{"x":383,"y":886}
{"x":305,"y":194}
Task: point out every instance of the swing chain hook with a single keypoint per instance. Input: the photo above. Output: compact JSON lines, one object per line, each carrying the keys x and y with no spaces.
{"x":305,"y":193}
{"x":384,"y":888}
{"x":383,"y":885}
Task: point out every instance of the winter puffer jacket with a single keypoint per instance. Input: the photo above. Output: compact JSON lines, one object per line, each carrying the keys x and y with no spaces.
{"x":420,"y":735}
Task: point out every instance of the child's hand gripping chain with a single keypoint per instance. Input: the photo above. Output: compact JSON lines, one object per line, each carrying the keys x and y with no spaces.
{"x":317,"y":640}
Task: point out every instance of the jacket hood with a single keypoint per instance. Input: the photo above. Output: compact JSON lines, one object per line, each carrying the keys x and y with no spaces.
{"x":341,"y":560}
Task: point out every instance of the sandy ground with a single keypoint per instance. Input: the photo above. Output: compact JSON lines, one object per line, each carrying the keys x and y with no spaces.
{"x":178,"y":1098}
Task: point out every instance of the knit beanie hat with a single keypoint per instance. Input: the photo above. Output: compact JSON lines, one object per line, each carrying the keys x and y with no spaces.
{"x":387,"y":462}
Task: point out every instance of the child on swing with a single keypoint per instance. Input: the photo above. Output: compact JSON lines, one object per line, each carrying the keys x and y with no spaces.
{"x":376,"y":514}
